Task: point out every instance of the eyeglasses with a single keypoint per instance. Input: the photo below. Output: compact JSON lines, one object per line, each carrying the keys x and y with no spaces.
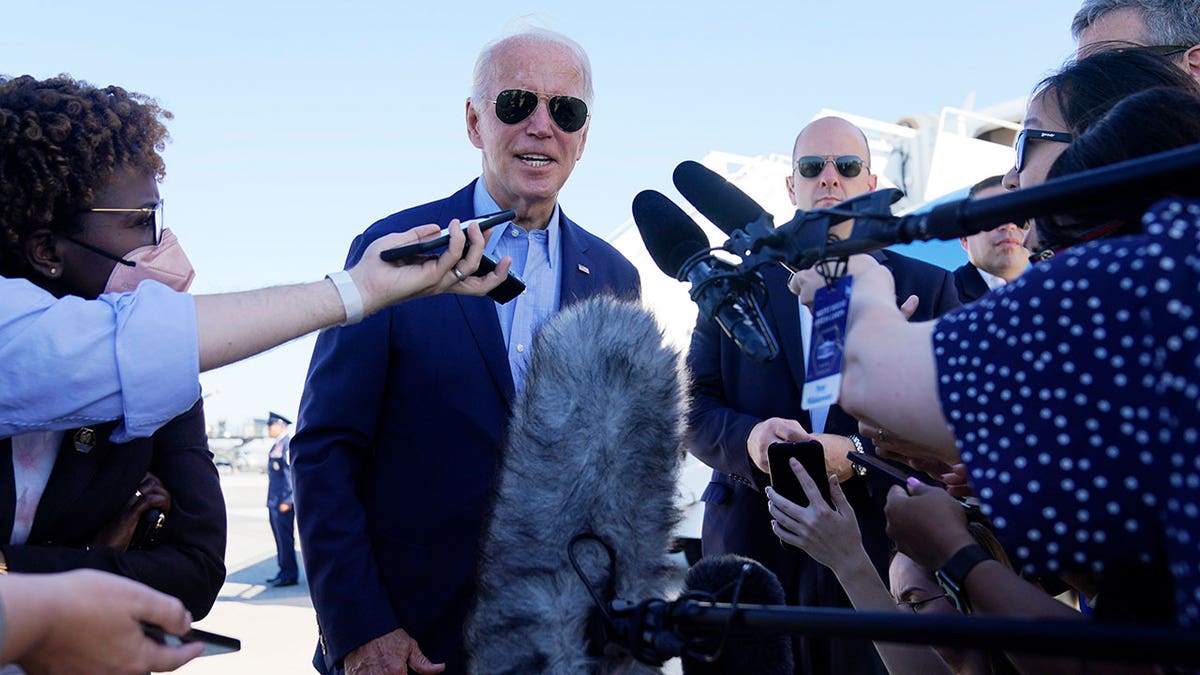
{"x":811,"y":166}
{"x":514,"y":105}
{"x":153,"y":217}
{"x":153,"y":220}
{"x":917,"y":605}
{"x":1027,"y":135}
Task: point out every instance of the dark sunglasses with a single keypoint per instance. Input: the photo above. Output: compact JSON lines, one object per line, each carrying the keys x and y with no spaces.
{"x":1027,"y":135}
{"x":514,"y":105}
{"x":811,"y":166}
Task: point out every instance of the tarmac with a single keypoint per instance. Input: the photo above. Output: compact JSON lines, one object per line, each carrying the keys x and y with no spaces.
{"x":277,"y":626}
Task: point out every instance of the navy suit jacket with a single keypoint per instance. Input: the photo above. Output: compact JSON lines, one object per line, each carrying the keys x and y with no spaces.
{"x":969,"y":283}
{"x":400,"y":430}
{"x":87,"y":490}
{"x":731,"y":394}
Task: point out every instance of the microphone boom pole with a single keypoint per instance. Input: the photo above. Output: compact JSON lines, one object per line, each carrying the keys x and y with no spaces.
{"x":1082,"y":639}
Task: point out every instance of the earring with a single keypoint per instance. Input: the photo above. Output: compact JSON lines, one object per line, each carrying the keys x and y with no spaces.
{"x":53,"y":271}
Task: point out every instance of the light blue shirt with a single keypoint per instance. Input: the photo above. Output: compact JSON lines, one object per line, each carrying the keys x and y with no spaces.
{"x":537,"y":259}
{"x":69,"y":362}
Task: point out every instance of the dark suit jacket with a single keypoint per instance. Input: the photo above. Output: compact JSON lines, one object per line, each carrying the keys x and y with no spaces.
{"x":969,"y":284}
{"x":400,"y":429}
{"x":731,"y":394}
{"x":87,"y":490}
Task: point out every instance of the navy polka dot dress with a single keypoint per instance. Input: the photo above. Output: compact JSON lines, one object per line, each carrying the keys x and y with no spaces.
{"x":1073,"y":394}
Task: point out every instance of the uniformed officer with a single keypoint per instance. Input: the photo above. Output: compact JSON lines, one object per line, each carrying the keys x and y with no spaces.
{"x":279,"y":501}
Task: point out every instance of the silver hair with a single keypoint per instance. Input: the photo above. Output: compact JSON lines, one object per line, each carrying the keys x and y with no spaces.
{"x":485,"y":72}
{"x":1168,"y":22}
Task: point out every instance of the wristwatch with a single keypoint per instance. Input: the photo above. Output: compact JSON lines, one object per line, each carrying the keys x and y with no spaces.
{"x":859,"y":469}
{"x":953,"y":575}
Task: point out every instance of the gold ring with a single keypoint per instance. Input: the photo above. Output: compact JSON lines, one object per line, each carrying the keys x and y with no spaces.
{"x":458,"y":275}
{"x":879,"y":435}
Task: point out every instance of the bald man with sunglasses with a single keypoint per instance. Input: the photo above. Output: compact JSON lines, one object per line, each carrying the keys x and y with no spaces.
{"x":404,"y":414}
{"x":740,"y":407}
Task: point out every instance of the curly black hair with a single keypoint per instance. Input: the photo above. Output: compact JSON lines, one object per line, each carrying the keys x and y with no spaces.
{"x":61,"y":140}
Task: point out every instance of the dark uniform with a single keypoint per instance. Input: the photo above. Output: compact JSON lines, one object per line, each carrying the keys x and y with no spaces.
{"x":280,"y":505}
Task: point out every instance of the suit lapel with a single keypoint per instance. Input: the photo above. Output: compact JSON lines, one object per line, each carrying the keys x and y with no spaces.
{"x":784,"y":312}
{"x":8,"y":492}
{"x":73,"y":472}
{"x":577,"y":266}
{"x":484,"y":324}
{"x":480,"y":313}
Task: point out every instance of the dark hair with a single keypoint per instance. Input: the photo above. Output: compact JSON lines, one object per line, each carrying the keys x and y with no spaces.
{"x":1086,"y":89}
{"x":985,"y":184}
{"x":1143,"y":124}
{"x":61,"y":140}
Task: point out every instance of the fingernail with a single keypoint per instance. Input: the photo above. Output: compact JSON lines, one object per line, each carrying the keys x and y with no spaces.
{"x":913,"y":482}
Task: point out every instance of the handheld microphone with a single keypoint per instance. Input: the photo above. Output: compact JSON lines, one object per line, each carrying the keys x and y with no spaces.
{"x":680,"y":249}
{"x":592,"y":455}
{"x":720,"y":201}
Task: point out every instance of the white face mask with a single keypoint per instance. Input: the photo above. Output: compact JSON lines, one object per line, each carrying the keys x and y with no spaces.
{"x":165,"y":263}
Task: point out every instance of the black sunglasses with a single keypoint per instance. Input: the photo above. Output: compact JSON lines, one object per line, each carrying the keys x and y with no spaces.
{"x":849,"y":166}
{"x":1027,"y":135}
{"x":514,"y":105}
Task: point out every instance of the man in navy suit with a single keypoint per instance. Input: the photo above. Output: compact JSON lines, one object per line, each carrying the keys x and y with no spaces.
{"x":404,"y":414}
{"x":740,"y":406}
{"x":994,"y":257}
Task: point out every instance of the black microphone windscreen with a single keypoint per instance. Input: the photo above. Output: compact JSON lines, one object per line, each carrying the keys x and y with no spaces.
{"x":743,"y":652}
{"x":719,"y":200}
{"x":594,"y":445}
{"x":670,"y":235}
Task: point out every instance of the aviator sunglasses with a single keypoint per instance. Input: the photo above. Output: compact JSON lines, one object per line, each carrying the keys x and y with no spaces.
{"x":1027,"y":135}
{"x":514,"y":105}
{"x":810,"y":166}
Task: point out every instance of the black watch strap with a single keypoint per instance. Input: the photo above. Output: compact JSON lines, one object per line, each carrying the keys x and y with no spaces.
{"x":952,"y":576}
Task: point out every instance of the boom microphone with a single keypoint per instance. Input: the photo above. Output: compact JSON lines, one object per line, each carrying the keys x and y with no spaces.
{"x":679,"y":248}
{"x":768,"y":653}
{"x":593,"y":452}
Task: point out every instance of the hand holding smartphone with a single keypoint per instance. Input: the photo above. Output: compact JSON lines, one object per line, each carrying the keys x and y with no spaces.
{"x":424,"y":247}
{"x":811,"y":455}
{"x":894,"y":472}
{"x":898,"y":474}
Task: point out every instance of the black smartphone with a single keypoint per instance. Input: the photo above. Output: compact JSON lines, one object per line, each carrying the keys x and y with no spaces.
{"x":895,"y":472}
{"x":213,"y":643}
{"x":898,"y":474}
{"x":145,"y":533}
{"x":421,"y":248}
{"x":811,"y":456}
{"x":511,"y":287}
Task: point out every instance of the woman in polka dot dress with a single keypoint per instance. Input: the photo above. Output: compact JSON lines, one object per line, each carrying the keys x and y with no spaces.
{"x":1073,"y":392}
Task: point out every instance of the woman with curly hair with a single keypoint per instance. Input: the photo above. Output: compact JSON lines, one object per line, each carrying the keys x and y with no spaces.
{"x":80,"y":214}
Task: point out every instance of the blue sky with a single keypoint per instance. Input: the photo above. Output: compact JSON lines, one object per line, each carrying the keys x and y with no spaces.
{"x":299,"y":123}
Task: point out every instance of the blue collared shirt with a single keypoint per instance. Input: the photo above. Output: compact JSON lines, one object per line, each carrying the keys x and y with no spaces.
{"x":537,"y":259}
{"x":69,"y":362}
